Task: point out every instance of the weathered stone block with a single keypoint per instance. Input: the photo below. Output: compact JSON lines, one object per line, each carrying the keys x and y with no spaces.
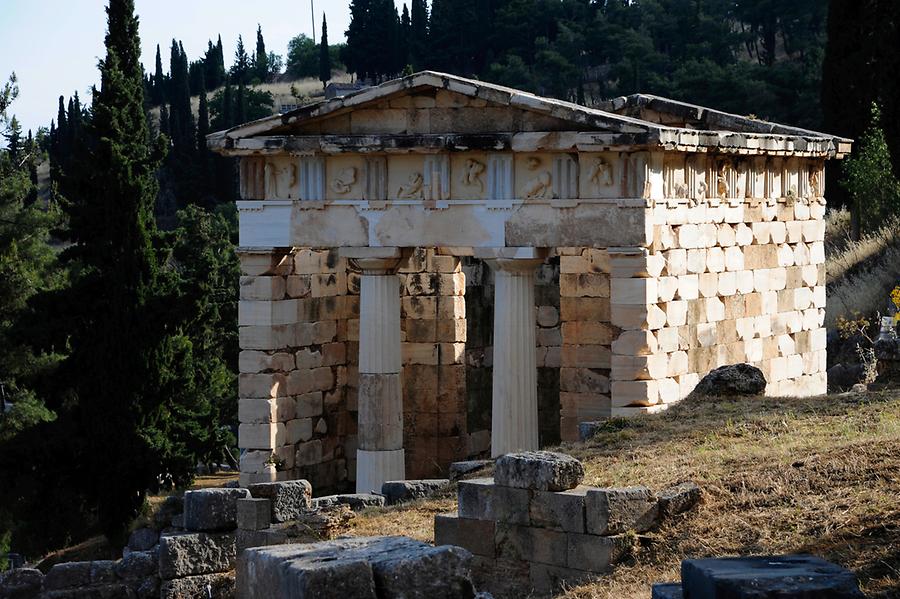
{"x":678,"y":499}
{"x":287,"y":498}
{"x":538,"y":470}
{"x":356,"y":501}
{"x":531,"y":544}
{"x":793,"y":576}
{"x":476,"y":536}
{"x":396,"y":566}
{"x":615,"y":511}
{"x":558,"y":510}
{"x":212,"y":509}
{"x":669,"y":590}
{"x":189,"y":554}
{"x":137,"y":564}
{"x":142,"y":539}
{"x":458,"y":470}
{"x":254,"y":514}
{"x":481,"y":499}
{"x":68,"y":575}
{"x":398,"y":491}
{"x":595,"y":554}
{"x":102,"y":572}
{"x":546,"y":579}
{"x":736,"y":379}
{"x":215,"y":585}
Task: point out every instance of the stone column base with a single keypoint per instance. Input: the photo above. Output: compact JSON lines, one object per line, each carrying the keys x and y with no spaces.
{"x":375,"y":467}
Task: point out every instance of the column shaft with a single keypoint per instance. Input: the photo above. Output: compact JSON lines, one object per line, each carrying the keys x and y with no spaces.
{"x":514,"y":415}
{"x":380,"y":456}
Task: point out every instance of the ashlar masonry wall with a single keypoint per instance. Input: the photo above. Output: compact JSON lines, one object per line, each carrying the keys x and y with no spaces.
{"x":734,"y":274}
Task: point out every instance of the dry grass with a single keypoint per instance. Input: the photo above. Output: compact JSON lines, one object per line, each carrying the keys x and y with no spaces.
{"x":846,"y":255}
{"x":867,"y":290}
{"x":817,"y":475}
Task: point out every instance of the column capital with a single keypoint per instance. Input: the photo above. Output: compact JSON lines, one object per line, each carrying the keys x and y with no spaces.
{"x":521,"y":261}
{"x":374,"y":260}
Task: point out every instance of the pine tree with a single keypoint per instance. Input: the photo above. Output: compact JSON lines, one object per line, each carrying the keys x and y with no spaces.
{"x":13,"y":137}
{"x":324,"y":55}
{"x":261,"y":59}
{"x":869,"y":179}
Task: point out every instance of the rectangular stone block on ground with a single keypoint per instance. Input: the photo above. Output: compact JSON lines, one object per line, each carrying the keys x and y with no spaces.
{"x":531,"y":544}
{"x":481,"y":499}
{"x":562,"y":510}
{"x":288,"y":498}
{"x":207,"y":585}
{"x":616,"y":511}
{"x":254,"y":514}
{"x":190,"y":554}
{"x":476,"y":536}
{"x":595,"y":553}
{"x":212,"y":509}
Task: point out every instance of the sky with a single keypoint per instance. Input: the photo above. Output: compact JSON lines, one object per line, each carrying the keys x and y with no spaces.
{"x":54,"y":45}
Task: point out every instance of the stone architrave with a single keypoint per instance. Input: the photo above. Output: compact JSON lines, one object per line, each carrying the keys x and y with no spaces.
{"x":380,"y":455}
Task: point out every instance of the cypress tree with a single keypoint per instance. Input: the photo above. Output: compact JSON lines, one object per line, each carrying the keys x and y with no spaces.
{"x":164,"y":120}
{"x":261,"y":59}
{"x":119,"y":347}
{"x":220,"y":62}
{"x":361,"y":42}
{"x":181,"y":119}
{"x":159,"y":81}
{"x":227,"y":105}
{"x":324,"y":55}
{"x":240,"y":110}
{"x":418,"y":35}
{"x":405,"y":34}
{"x":62,"y":130}
{"x":202,"y":123}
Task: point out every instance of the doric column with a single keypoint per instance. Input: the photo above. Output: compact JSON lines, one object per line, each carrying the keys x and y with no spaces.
{"x":514,"y":410}
{"x":380,"y":454}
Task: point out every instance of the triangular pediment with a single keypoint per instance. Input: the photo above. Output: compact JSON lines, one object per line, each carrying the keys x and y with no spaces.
{"x":431,"y":103}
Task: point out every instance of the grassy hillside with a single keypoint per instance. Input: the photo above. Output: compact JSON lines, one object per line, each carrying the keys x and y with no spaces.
{"x":818,"y":475}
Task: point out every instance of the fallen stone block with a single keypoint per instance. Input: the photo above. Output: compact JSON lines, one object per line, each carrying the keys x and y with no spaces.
{"x":356,"y":501}
{"x":781,"y":577}
{"x":220,"y":586}
{"x":678,"y":499}
{"x":21,"y":583}
{"x":212,"y":509}
{"x":668,"y":590}
{"x":288,"y":498}
{"x":254,"y":514}
{"x":481,"y":499}
{"x":587,"y":430}
{"x":399,"y":491}
{"x":106,"y":591}
{"x":103,"y":571}
{"x":396,"y":566}
{"x":458,"y":470}
{"x":538,"y":470}
{"x":68,"y":575}
{"x":245,"y":539}
{"x":732,"y":380}
{"x":615,"y":511}
{"x":561,"y":511}
{"x":168,"y":509}
{"x":475,"y":536}
{"x":137,"y":564}
{"x":143,"y":539}
{"x":189,"y":554}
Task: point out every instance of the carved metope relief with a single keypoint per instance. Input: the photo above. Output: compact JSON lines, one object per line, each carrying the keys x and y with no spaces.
{"x":436,"y":177}
{"x":412,"y":189}
{"x":816,"y":180}
{"x":695,"y":179}
{"x":723,"y":180}
{"x":539,"y":185}
{"x":375,"y":178}
{"x":473,"y":173}
{"x":674,"y":185}
{"x":344,"y":181}
{"x":312,"y":178}
{"x":565,"y":177}
{"x":500,"y":177}
{"x":601,"y":173}
{"x":639,"y":175}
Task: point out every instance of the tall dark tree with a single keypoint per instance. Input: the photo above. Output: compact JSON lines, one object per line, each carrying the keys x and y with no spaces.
{"x":361,"y":43}
{"x":324,"y":55}
{"x":418,"y":35}
{"x":405,"y":33}
{"x":181,"y":119}
{"x":159,"y":81}
{"x":860,"y":68}
{"x":260,"y":59}
{"x":240,"y":70}
{"x":227,"y":119}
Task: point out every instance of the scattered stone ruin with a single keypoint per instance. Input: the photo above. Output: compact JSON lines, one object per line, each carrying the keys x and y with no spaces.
{"x":438,"y":268}
{"x":535,"y":527}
